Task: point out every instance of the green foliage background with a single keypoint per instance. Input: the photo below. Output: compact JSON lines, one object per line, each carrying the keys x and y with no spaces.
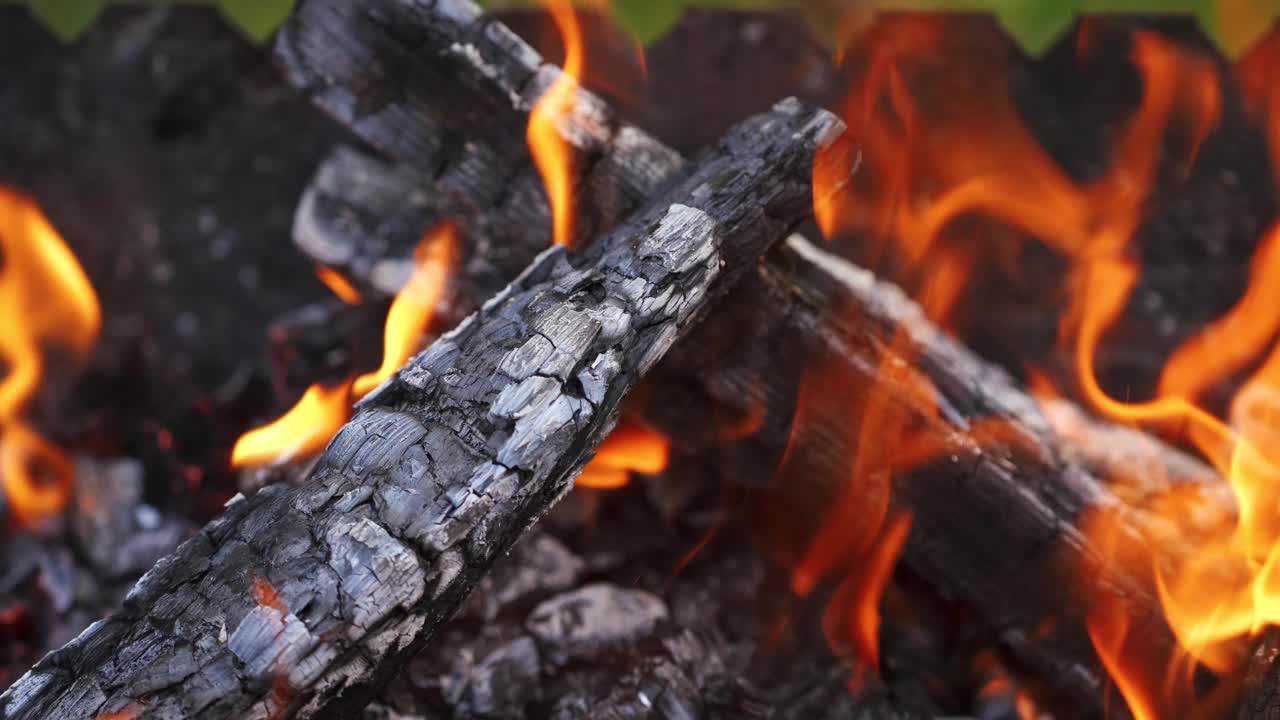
{"x":1234,"y":24}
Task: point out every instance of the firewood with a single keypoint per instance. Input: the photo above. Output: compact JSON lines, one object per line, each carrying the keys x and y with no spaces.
{"x":988,"y":519}
{"x":450,"y":89}
{"x":299,"y":602}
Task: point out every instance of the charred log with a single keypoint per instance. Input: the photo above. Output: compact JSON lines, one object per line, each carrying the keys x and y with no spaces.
{"x":299,"y":602}
{"x":449,"y":90}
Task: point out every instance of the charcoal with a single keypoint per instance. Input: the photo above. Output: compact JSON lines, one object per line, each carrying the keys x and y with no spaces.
{"x":583,"y":623}
{"x":119,"y":534}
{"x":536,"y":568}
{"x":503,"y":683}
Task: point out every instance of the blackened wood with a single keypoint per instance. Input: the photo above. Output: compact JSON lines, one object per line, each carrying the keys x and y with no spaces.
{"x":300,"y":602}
{"x":1261,"y":696}
{"x":448,"y":90}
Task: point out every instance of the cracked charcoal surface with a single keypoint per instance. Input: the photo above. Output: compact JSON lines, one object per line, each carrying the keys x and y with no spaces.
{"x":439,"y":472}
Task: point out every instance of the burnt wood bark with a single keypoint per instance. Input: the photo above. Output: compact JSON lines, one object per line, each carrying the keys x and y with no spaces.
{"x":298,"y":602}
{"x":989,"y":518}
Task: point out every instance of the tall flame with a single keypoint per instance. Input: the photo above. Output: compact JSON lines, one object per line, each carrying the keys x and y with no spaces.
{"x":45,"y":299}
{"x":958,"y":149}
{"x":552,"y":154}
{"x":410,"y":315}
{"x":322,"y":411}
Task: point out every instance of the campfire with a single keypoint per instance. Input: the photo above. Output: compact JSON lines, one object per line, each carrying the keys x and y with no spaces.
{"x":944,"y":383}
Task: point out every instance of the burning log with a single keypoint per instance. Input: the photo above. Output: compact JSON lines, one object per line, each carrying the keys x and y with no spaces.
{"x":452,"y":90}
{"x":989,"y":511}
{"x":299,"y":601}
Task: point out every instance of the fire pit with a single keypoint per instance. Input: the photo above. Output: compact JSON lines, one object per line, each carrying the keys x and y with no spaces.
{"x":637,"y":385}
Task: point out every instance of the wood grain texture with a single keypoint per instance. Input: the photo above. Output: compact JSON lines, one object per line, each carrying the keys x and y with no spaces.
{"x":299,"y":602}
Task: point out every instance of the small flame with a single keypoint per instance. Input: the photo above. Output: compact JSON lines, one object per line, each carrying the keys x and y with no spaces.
{"x":1108,"y":631}
{"x":302,"y":431}
{"x":340,"y":286}
{"x":1000,"y":686}
{"x":323,"y":410}
{"x":551,"y":153}
{"x":866,"y":608}
{"x":629,"y":448}
{"x":36,"y":474}
{"x":411,"y":312}
{"x":45,"y":299}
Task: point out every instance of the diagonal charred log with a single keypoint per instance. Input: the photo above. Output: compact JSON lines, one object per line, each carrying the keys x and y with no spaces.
{"x":299,"y":602}
{"x":987,"y":516}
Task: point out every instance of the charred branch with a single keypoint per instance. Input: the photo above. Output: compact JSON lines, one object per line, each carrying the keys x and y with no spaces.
{"x":300,"y":602}
{"x":449,"y":90}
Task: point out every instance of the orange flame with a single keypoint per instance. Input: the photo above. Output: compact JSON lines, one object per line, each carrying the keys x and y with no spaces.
{"x":552,"y":154}
{"x":866,"y":607}
{"x":629,"y":448}
{"x":322,"y":411}
{"x":1228,"y":588}
{"x":411,"y":312}
{"x":339,"y":285}
{"x":45,"y":299}
{"x":958,"y":149}
{"x":302,"y":431}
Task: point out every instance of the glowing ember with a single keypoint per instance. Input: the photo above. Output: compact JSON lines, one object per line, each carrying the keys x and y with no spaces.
{"x":322,"y":411}
{"x":552,"y":155}
{"x":264,"y":593}
{"x":128,"y":712}
{"x":45,"y":300}
{"x":629,"y":448}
